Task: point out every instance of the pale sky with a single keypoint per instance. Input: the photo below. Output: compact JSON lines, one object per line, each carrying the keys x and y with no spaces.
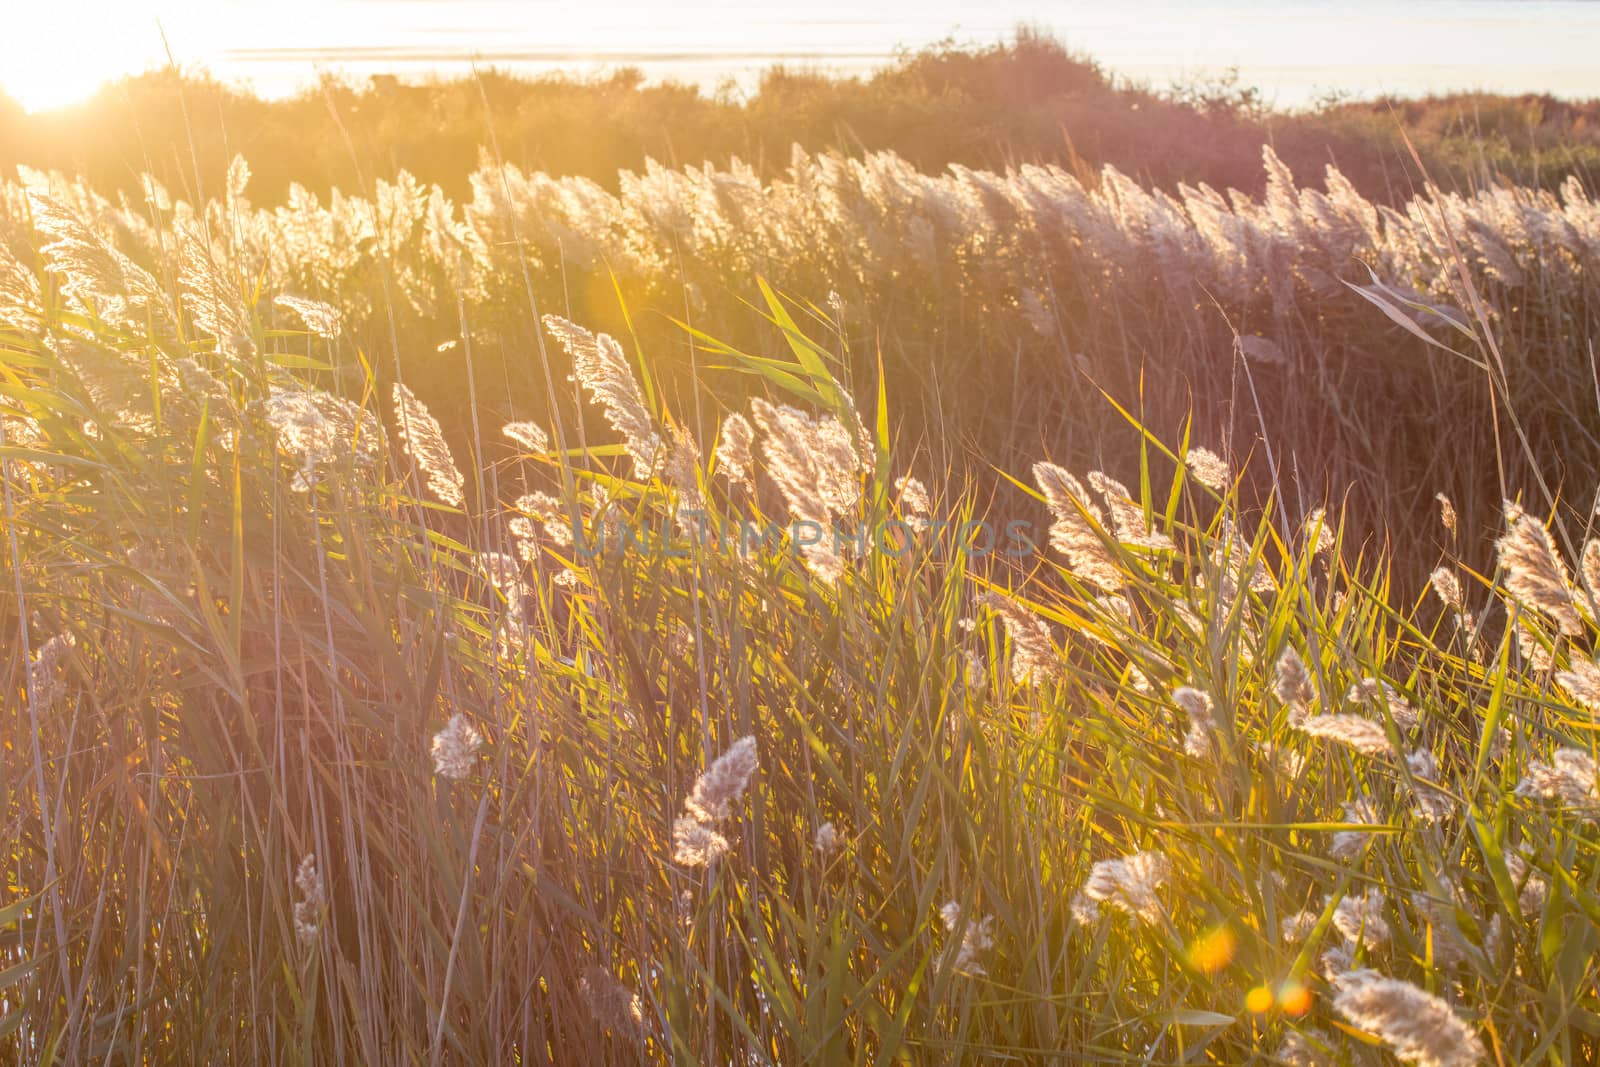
{"x":58,"y":51}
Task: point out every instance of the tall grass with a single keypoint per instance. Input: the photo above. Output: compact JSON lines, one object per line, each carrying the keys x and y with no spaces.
{"x":1003,"y":306}
{"x":325,"y":743}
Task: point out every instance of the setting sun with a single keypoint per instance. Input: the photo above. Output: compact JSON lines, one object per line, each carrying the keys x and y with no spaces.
{"x":60,"y":53}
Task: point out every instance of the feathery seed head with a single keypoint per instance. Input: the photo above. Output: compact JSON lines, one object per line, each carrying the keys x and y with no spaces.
{"x":734,"y":460}
{"x":1416,"y":1025}
{"x":1074,"y":532}
{"x":321,"y":319}
{"x":1127,"y":516}
{"x":212,"y":297}
{"x":1534,"y":573}
{"x":1568,"y":780}
{"x":424,"y":442}
{"x":1318,"y":534}
{"x":1582,"y":682}
{"x":1589,"y":567}
{"x":682,"y":472}
{"x":1360,"y":920}
{"x":1309,"y":1049}
{"x":44,"y":679}
{"x":1363,"y":735}
{"x":1034,"y":660}
{"x":601,"y":367}
{"x":1197,"y":706}
{"x":612,"y":1004}
{"x":308,"y":909}
{"x":318,"y":430}
{"x":530,"y":435}
{"x":505,"y":574}
{"x":1299,"y":926}
{"x":1347,"y":844}
{"x":814,"y":465}
{"x":696,"y":843}
{"x":913,"y":497}
{"x":1292,"y":684}
{"x":1532,"y":645}
{"x":1447,"y":513}
{"x":1381,"y":695}
{"x":724,"y":782}
{"x":978,"y":937}
{"x":1447,"y":587}
{"x":1286,"y":761}
{"x":1431,"y":802}
{"x":1127,"y":884}
{"x":1532,"y":889}
{"x":1208,"y":469}
{"x":455,"y":748}
{"x":552,"y":515}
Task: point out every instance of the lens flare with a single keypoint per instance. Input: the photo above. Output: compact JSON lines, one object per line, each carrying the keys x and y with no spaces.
{"x":1294,"y":998}
{"x":1213,"y":950}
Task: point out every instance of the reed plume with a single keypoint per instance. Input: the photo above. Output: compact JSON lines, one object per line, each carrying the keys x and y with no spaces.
{"x":1363,"y":735}
{"x":696,"y":842}
{"x":1292,"y":685}
{"x":734,"y":460}
{"x":601,"y":367}
{"x":455,"y":748}
{"x":1568,"y":780}
{"x":1348,"y":844}
{"x":1208,"y":468}
{"x":1416,"y":1025}
{"x":1359,"y":919}
{"x":425,"y":444}
{"x":1582,"y":683}
{"x":724,"y":782}
{"x":1127,"y":516}
{"x":530,"y":435}
{"x":1381,"y":696}
{"x":308,"y":909}
{"x":1447,"y":587}
{"x":45,"y":684}
{"x":1589,"y":567}
{"x":613,"y":1005}
{"x":913,"y":498}
{"x":814,"y":465}
{"x":1533,"y":571}
{"x":1075,"y":529}
{"x":1447,"y":513}
{"x":1198,"y":742}
{"x":320,"y":318}
{"x":1034,"y":659}
{"x":1127,"y":884}
{"x":963,"y":956}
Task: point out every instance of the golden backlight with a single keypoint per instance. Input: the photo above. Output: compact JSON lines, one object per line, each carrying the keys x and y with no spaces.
{"x":60,"y":53}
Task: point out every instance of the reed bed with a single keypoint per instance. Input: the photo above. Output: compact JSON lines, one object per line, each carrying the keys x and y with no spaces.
{"x":726,"y":727}
{"x":1003,"y":306}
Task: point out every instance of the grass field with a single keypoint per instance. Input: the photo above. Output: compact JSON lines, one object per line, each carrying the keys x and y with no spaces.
{"x":853,"y":616}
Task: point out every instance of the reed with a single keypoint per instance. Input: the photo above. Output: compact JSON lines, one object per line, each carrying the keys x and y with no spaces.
{"x":331,"y":735}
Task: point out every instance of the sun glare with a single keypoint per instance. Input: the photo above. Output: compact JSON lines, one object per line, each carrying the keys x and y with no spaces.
{"x":60,"y":53}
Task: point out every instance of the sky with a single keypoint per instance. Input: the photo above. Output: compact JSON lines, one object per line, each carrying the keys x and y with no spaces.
{"x":1293,"y":50}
